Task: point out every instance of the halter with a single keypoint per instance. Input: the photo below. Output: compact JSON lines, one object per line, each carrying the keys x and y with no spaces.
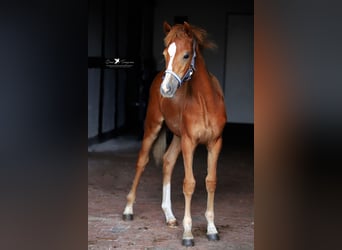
{"x":189,"y":72}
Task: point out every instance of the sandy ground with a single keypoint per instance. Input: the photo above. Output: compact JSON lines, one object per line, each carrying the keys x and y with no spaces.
{"x":111,"y":167}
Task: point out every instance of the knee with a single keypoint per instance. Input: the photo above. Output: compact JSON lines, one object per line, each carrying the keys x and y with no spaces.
{"x":189,"y":186}
{"x":210,"y":184}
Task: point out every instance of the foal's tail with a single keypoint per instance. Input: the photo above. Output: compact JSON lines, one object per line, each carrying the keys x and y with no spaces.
{"x":159,"y":146}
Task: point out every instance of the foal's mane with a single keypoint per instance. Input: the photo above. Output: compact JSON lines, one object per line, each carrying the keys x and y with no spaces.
{"x":189,"y":31}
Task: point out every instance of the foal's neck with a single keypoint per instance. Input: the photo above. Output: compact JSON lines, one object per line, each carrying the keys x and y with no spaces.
{"x":202,"y":80}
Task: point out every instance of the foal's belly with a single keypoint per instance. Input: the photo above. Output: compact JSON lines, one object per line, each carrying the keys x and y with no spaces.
{"x":174,"y":125}
{"x":203,"y":133}
{"x":197,"y":130}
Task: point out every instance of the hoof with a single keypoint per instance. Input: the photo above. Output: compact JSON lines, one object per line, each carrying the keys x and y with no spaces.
{"x":188,"y":242}
{"x":213,"y":237}
{"x":127,"y":217}
{"x":172,"y":224}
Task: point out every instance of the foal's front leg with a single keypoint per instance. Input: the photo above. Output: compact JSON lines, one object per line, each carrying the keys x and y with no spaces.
{"x":189,"y":184}
{"x":214,"y":149}
{"x":151,"y":132}
{"x":169,"y":160}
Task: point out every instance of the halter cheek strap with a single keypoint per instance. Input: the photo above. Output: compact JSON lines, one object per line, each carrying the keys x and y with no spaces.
{"x":189,"y":72}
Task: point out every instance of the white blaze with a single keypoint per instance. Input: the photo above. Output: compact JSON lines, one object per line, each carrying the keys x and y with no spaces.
{"x":172,"y":52}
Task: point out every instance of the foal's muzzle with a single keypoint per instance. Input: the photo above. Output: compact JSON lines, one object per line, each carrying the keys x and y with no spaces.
{"x":169,"y":85}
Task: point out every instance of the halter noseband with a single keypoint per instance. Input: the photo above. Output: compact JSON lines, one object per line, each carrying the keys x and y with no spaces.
{"x":189,"y":72}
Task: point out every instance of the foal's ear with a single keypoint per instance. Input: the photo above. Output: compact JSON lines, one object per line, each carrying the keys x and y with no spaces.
{"x":187,"y":27}
{"x":167,"y":27}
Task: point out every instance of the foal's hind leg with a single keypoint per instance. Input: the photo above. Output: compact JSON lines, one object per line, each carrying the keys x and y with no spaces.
{"x":169,"y":160}
{"x":214,"y":149}
{"x":150,"y":135}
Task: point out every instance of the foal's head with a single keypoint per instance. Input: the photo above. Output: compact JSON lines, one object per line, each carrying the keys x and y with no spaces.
{"x":181,"y":46}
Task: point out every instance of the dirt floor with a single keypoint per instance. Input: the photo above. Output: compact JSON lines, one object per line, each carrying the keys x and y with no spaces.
{"x":111,"y":167}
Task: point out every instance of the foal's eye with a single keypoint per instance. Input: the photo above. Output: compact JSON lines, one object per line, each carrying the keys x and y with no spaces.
{"x":186,"y":56}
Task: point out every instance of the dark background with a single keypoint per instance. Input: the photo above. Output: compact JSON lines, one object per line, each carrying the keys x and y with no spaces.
{"x":297,"y":135}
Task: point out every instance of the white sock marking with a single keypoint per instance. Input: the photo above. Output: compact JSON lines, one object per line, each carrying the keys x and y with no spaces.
{"x":166,"y":204}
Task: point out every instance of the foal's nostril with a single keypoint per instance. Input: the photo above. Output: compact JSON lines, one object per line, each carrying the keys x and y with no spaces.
{"x":166,"y":88}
